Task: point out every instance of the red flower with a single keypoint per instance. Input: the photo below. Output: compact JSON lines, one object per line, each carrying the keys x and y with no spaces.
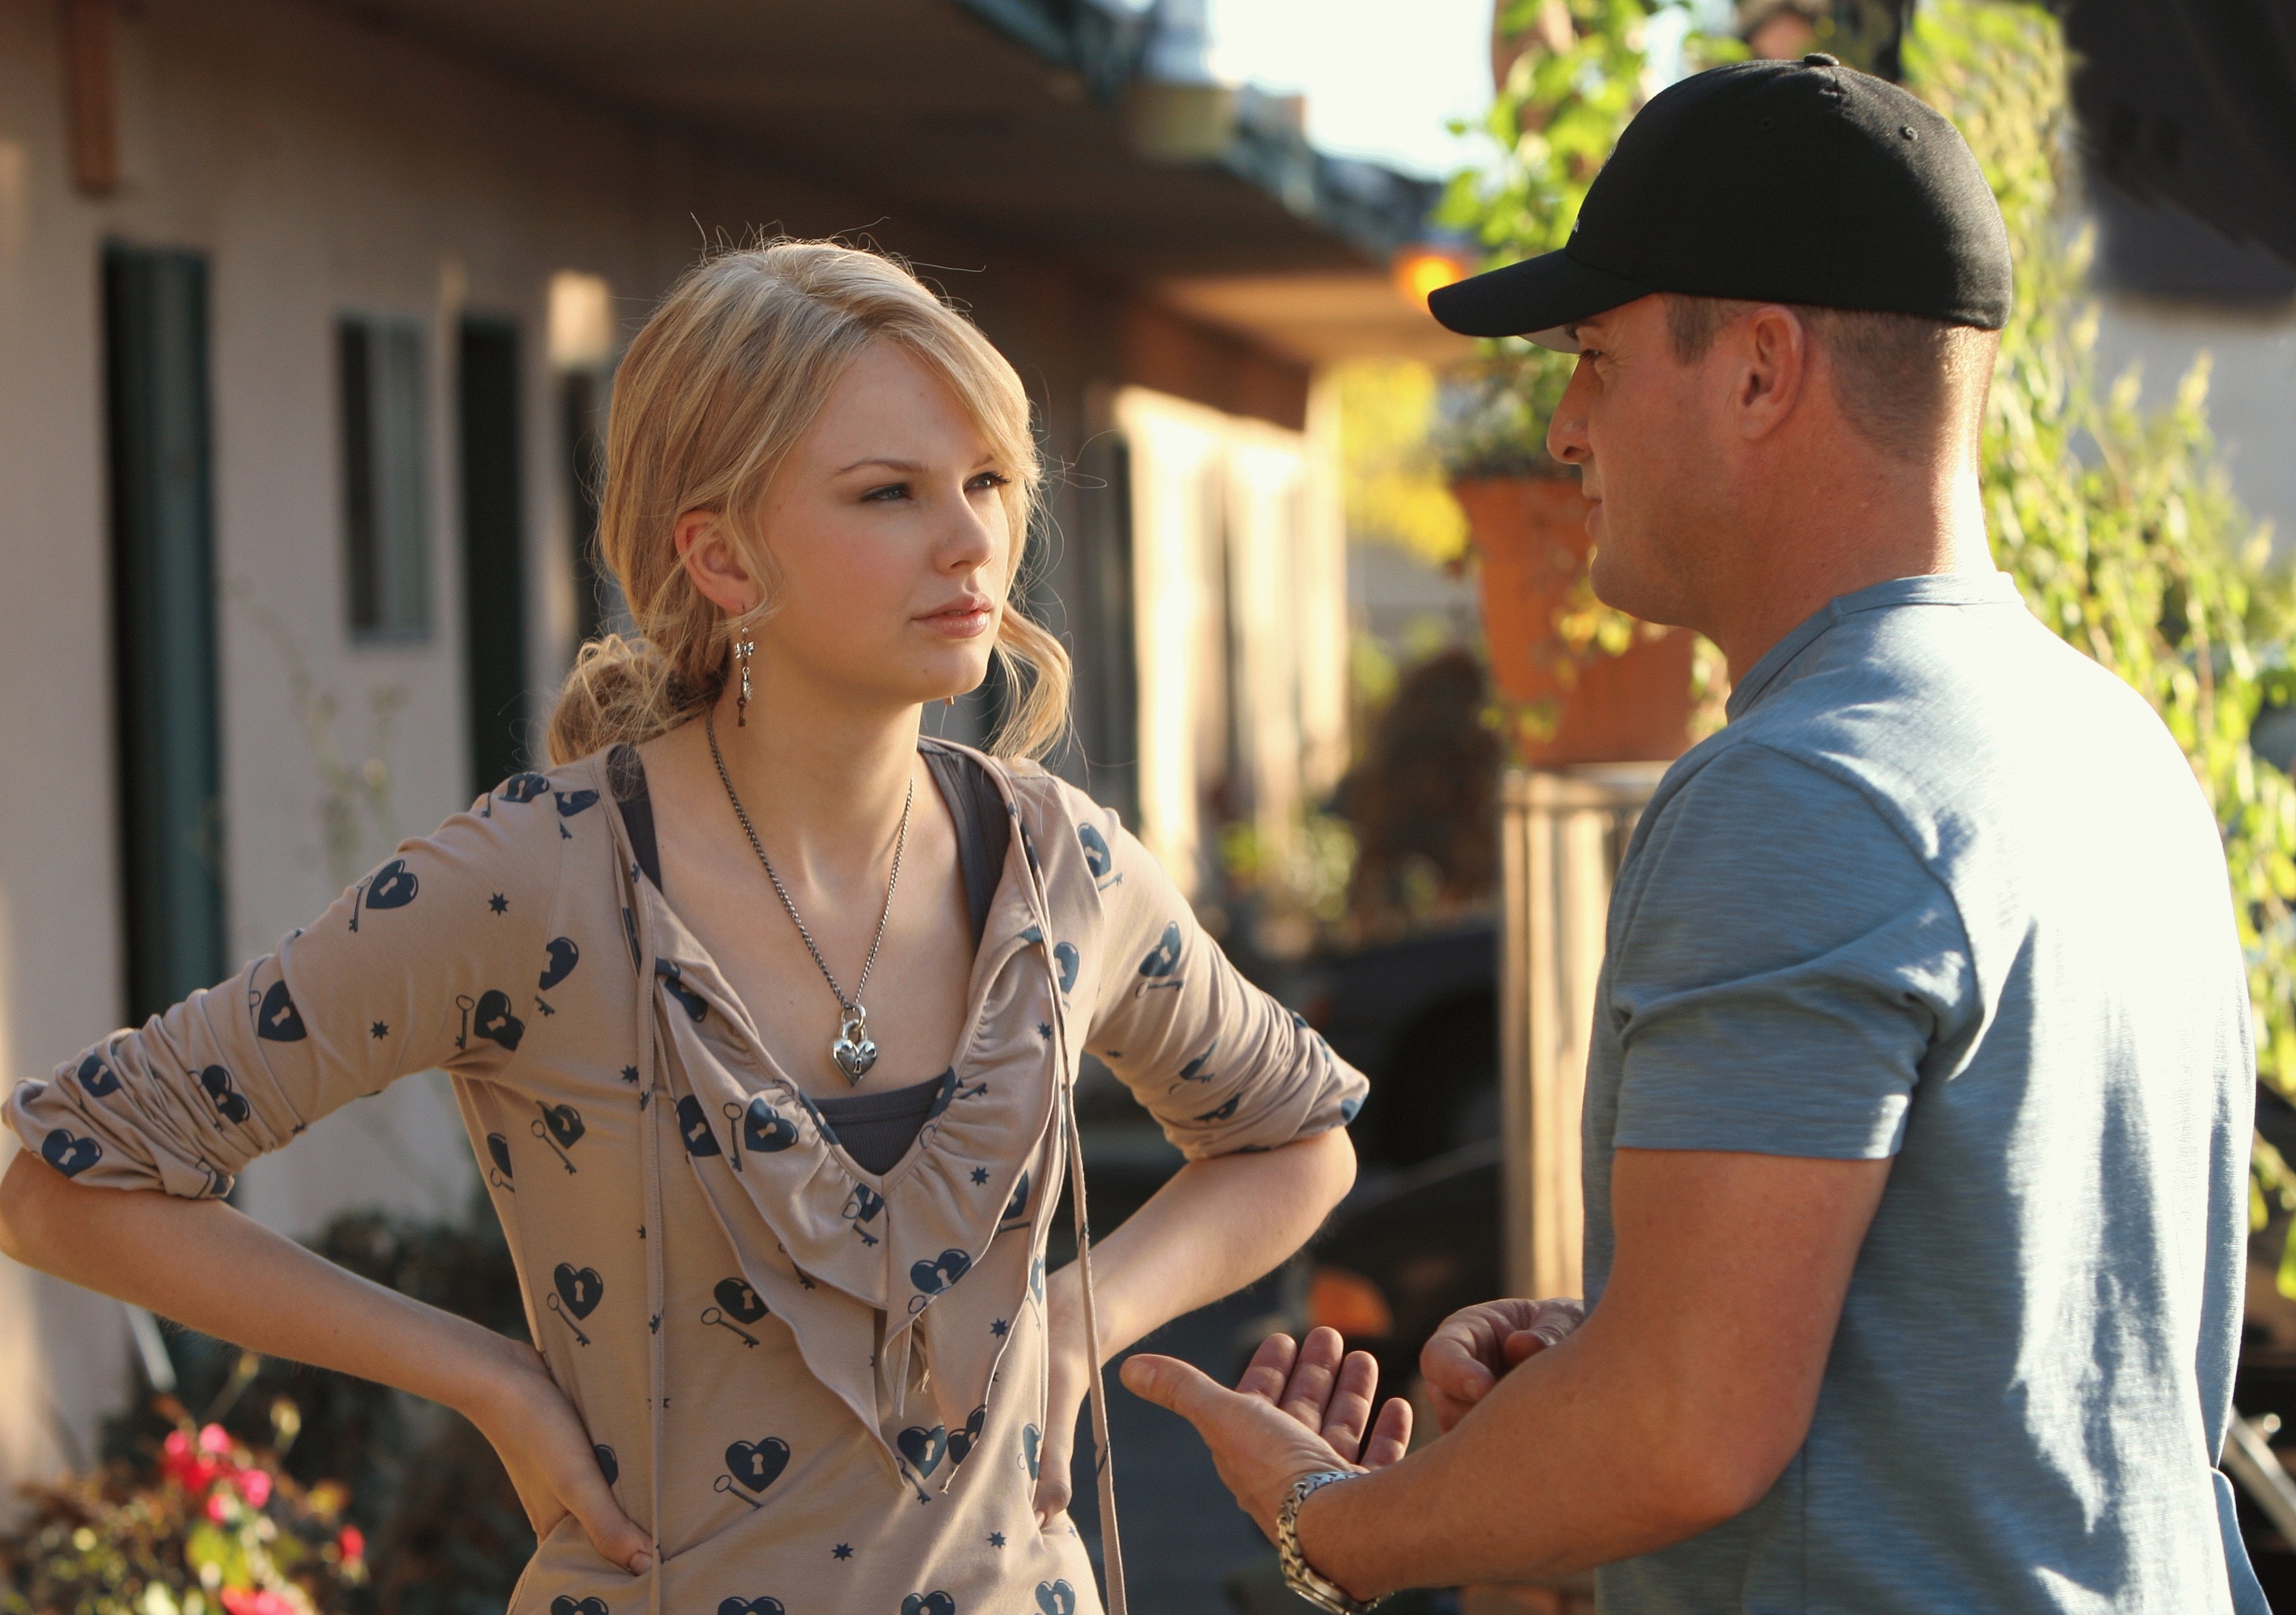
{"x":351,"y":1544}
{"x":186,"y":1465}
{"x":218,"y":1508}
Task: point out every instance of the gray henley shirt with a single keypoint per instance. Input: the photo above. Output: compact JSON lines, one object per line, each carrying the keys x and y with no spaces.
{"x":1946,"y":890}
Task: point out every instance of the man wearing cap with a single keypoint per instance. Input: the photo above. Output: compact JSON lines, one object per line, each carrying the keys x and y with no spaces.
{"x":1918,"y":1095}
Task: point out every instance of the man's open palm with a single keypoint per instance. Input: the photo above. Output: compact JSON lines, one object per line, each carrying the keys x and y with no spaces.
{"x":1298,"y":1409}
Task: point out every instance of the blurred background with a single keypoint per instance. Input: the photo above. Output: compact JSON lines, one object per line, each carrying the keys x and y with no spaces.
{"x":309,"y":316}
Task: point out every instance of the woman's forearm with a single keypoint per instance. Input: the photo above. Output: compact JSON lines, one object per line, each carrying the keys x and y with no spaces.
{"x":211,"y":1268}
{"x":1215,"y":1227}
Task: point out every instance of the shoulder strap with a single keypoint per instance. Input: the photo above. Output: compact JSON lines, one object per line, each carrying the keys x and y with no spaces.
{"x":984,"y":830}
{"x":626,"y":777}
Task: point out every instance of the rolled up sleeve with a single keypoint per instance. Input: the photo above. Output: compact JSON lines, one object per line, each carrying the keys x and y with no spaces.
{"x":1222,"y":1066}
{"x":429,"y":961}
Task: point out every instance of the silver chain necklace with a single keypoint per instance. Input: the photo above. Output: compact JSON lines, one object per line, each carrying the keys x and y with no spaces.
{"x":853,"y":1051}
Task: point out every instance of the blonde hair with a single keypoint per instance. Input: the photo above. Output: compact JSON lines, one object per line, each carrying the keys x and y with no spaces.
{"x":727,"y":376}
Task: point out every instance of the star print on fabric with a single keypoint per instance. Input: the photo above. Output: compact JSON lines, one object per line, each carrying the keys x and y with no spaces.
{"x":499,"y":903}
{"x":1000,"y":1327}
{"x":630,"y":1074}
{"x":843,"y":1550}
{"x":379,"y":1029}
{"x":980,"y":1174}
{"x":996,"y":1539}
{"x":1045,"y":1030}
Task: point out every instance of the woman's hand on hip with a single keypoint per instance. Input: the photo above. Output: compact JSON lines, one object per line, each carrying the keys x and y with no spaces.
{"x":542,"y":1442}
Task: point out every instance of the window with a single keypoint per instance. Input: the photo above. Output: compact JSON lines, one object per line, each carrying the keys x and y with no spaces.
{"x":155,"y":327}
{"x":599,"y":608}
{"x":494,"y":536}
{"x":386,"y":525}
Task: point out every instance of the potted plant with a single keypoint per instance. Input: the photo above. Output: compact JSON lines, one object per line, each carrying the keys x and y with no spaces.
{"x":1580,"y":683}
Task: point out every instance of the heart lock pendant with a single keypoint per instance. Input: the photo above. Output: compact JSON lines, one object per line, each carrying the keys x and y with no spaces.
{"x":853,"y":1051}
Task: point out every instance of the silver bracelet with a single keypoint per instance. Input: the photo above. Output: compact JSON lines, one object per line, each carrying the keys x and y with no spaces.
{"x":1300,"y":1576}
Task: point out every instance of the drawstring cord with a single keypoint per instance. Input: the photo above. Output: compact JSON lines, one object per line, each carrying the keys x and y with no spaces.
{"x":1111,"y":1548}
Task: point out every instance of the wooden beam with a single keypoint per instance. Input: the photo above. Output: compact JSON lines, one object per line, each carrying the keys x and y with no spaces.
{"x":92,"y":95}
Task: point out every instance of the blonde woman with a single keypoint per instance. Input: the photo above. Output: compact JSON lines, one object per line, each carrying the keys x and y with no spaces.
{"x":763,"y":1014}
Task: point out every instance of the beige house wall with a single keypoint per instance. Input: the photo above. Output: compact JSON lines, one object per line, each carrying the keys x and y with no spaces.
{"x":322,"y":167}
{"x":1240,"y":624}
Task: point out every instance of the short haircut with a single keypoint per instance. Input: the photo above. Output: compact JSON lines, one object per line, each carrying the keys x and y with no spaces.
{"x":1907,"y":384}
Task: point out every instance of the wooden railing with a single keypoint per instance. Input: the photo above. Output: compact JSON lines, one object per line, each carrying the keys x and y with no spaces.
{"x":1562,"y":834}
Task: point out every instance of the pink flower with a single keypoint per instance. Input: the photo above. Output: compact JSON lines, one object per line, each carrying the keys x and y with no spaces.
{"x":351,"y":1544}
{"x":215,"y":1439}
{"x":254,"y":1485}
{"x":218,"y":1507}
{"x":259,"y":1602}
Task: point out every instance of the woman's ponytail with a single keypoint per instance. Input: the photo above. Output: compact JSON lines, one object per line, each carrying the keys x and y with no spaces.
{"x":618,"y":691}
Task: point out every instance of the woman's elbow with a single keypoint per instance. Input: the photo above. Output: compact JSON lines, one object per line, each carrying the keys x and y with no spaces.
{"x":1335,"y":1159}
{"x":23,"y":1199}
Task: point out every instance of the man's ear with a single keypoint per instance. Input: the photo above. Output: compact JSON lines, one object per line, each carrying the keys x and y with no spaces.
{"x":1774,"y":355}
{"x":711,"y":563}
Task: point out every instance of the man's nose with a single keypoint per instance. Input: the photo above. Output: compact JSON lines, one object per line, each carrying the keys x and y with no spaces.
{"x":1566,"y":433}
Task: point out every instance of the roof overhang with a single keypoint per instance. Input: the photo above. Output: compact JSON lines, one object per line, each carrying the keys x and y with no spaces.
{"x":987,"y":122}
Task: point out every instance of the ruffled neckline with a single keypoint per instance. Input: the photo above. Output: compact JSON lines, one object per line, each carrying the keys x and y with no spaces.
{"x":879,"y":1265}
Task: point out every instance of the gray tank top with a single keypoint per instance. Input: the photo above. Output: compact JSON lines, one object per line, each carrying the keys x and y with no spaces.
{"x":876,"y":1129}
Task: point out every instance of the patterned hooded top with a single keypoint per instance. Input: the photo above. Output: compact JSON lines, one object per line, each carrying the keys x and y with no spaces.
{"x":816,"y":1387}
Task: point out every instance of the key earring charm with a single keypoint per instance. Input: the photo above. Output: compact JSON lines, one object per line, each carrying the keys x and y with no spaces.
{"x":742,"y":653}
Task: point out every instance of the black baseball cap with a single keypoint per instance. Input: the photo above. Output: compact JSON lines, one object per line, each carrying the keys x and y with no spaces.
{"x":1793,"y":182}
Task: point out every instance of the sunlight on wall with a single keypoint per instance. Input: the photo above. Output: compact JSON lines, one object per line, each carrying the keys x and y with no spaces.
{"x":24,"y":1442}
{"x":581,"y":320}
{"x":1238,"y":612}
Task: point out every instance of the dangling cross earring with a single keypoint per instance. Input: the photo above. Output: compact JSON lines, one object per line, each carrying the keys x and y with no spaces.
{"x":742,"y":653}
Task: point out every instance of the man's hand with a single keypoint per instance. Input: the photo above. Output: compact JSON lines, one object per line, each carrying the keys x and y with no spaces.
{"x":1297,"y":1411}
{"x":1467,"y":1358}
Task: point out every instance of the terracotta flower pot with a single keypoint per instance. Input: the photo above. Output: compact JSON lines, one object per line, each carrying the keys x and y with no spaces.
{"x":1530,"y":533}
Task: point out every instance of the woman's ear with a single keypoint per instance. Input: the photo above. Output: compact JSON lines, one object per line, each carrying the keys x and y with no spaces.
{"x":708,"y":560}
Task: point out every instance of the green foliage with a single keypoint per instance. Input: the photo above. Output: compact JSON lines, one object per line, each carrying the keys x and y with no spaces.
{"x":1392,"y":480}
{"x":1555,"y":121}
{"x":2118,"y":525}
